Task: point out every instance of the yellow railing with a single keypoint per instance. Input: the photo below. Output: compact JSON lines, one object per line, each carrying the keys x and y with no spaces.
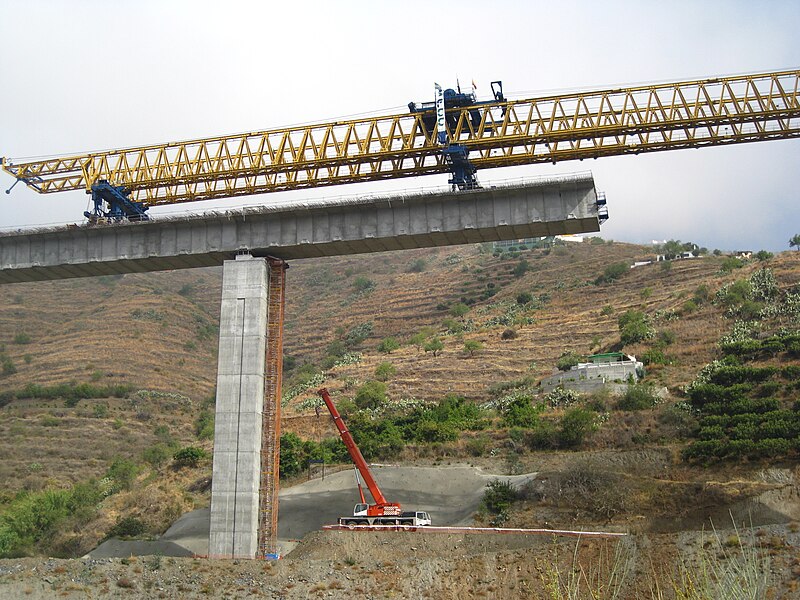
{"x":666,"y":116}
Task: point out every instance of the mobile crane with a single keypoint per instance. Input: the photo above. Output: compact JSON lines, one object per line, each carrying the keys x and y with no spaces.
{"x":382,"y":512}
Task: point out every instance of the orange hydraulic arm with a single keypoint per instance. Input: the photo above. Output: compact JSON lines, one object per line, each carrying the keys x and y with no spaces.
{"x":355,"y":454}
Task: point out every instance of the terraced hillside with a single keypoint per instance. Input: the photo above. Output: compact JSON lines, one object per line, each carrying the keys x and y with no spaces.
{"x":153,"y":338}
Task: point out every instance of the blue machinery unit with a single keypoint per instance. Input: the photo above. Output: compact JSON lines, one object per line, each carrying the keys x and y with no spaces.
{"x":435,"y":116}
{"x":113,"y":203}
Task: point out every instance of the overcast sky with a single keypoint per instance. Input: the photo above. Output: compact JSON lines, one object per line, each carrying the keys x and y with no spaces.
{"x":84,"y":75}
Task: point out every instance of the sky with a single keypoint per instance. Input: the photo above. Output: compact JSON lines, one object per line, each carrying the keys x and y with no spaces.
{"x":88,"y":75}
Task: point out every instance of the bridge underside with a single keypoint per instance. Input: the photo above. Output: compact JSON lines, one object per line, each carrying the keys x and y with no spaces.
{"x":565,"y":205}
{"x":247,"y":427}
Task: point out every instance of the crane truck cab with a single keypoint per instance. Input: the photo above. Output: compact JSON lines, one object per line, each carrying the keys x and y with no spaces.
{"x":418,"y":518}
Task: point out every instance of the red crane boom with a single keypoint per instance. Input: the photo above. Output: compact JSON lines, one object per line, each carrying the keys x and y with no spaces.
{"x":381,"y":506}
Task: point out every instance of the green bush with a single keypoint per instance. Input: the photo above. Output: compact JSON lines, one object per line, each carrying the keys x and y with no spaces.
{"x":371,"y":395}
{"x":8,"y":367}
{"x":126,"y":528}
{"x":575,"y":425}
{"x":472,"y":346}
{"x":190,"y":456}
{"x":524,"y":298}
{"x":522,"y":267}
{"x":385,"y":371}
{"x":477,"y":446}
{"x":634,"y":327}
{"x":567,"y":360}
{"x":22,"y":338}
{"x":388,"y":345}
{"x":730,"y":263}
{"x":459,"y":310}
{"x":499,"y":496}
{"x":358,"y":334}
{"x":123,"y":472}
{"x":204,"y":426}
{"x":638,"y":396}
{"x":612,"y":272}
{"x":434,"y":345}
{"x":157,"y":455}
{"x":654,"y":357}
{"x":521,"y":412}
{"x":544,"y":436}
{"x":363,"y":284}
{"x":417,"y":266}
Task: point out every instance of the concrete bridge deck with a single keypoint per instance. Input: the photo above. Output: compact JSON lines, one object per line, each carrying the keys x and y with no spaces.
{"x":563,"y":205}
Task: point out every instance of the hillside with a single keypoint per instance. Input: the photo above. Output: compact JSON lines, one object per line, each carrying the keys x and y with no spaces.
{"x":139,"y":354}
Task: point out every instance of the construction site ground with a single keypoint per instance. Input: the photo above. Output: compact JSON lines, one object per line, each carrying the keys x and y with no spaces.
{"x":392,"y":564}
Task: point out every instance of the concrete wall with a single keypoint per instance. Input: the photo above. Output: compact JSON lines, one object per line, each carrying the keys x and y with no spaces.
{"x":239,"y":404}
{"x":565,"y":205}
{"x":604,"y":372}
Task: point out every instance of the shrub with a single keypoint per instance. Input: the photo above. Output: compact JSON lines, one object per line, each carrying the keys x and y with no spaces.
{"x":477,"y":446}
{"x":499,"y":496}
{"x":472,"y":346}
{"x":633,"y":327}
{"x":385,"y":371}
{"x":417,"y":266}
{"x":127,"y":527}
{"x":763,"y":255}
{"x":459,"y":310}
{"x":612,"y":272}
{"x":363,"y":284}
{"x":654,"y":357}
{"x":524,"y":298}
{"x":358,"y":334}
{"x":100,"y":411}
{"x":204,"y":426}
{"x":8,"y":366}
{"x":544,"y":436}
{"x":293,"y":459}
{"x":638,"y":396}
{"x":388,"y":345}
{"x":521,"y":412}
{"x":435,"y":345}
{"x":190,"y":456}
{"x":508,"y":334}
{"x":730,"y":263}
{"x":522,"y":267}
{"x":123,"y":472}
{"x":157,"y":455}
{"x":371,"y":395}
{"x":22,"y":338}
{"x":575,"y":425}
{"x":567,"y":360}
{"x":453,"y":326}
{"x":561,"y":397}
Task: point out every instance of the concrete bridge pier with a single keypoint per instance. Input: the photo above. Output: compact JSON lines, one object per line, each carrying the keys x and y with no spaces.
{"x":246,"y":435}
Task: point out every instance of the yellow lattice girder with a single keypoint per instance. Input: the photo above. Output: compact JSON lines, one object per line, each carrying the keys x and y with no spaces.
{"x":688,"y":114}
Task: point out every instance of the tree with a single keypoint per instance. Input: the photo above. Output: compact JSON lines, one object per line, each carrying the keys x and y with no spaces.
{"x":435,"y":345}
{"x":418,"y":340}
{"x":633,"y":327}
{"x":371,"y":395}
{"x":388,"y":344}
{"x":385,"y":371}
{"x":567,"y":360}
{"x":795,"y":242}
{"x":459,"y":310}
{"x":472,"y":346}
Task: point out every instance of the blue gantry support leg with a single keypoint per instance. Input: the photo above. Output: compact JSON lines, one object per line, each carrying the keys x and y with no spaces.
{"x":113,"y":202}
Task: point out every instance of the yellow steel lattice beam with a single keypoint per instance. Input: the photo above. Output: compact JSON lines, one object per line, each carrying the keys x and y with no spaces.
{"x":688,"y":114}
